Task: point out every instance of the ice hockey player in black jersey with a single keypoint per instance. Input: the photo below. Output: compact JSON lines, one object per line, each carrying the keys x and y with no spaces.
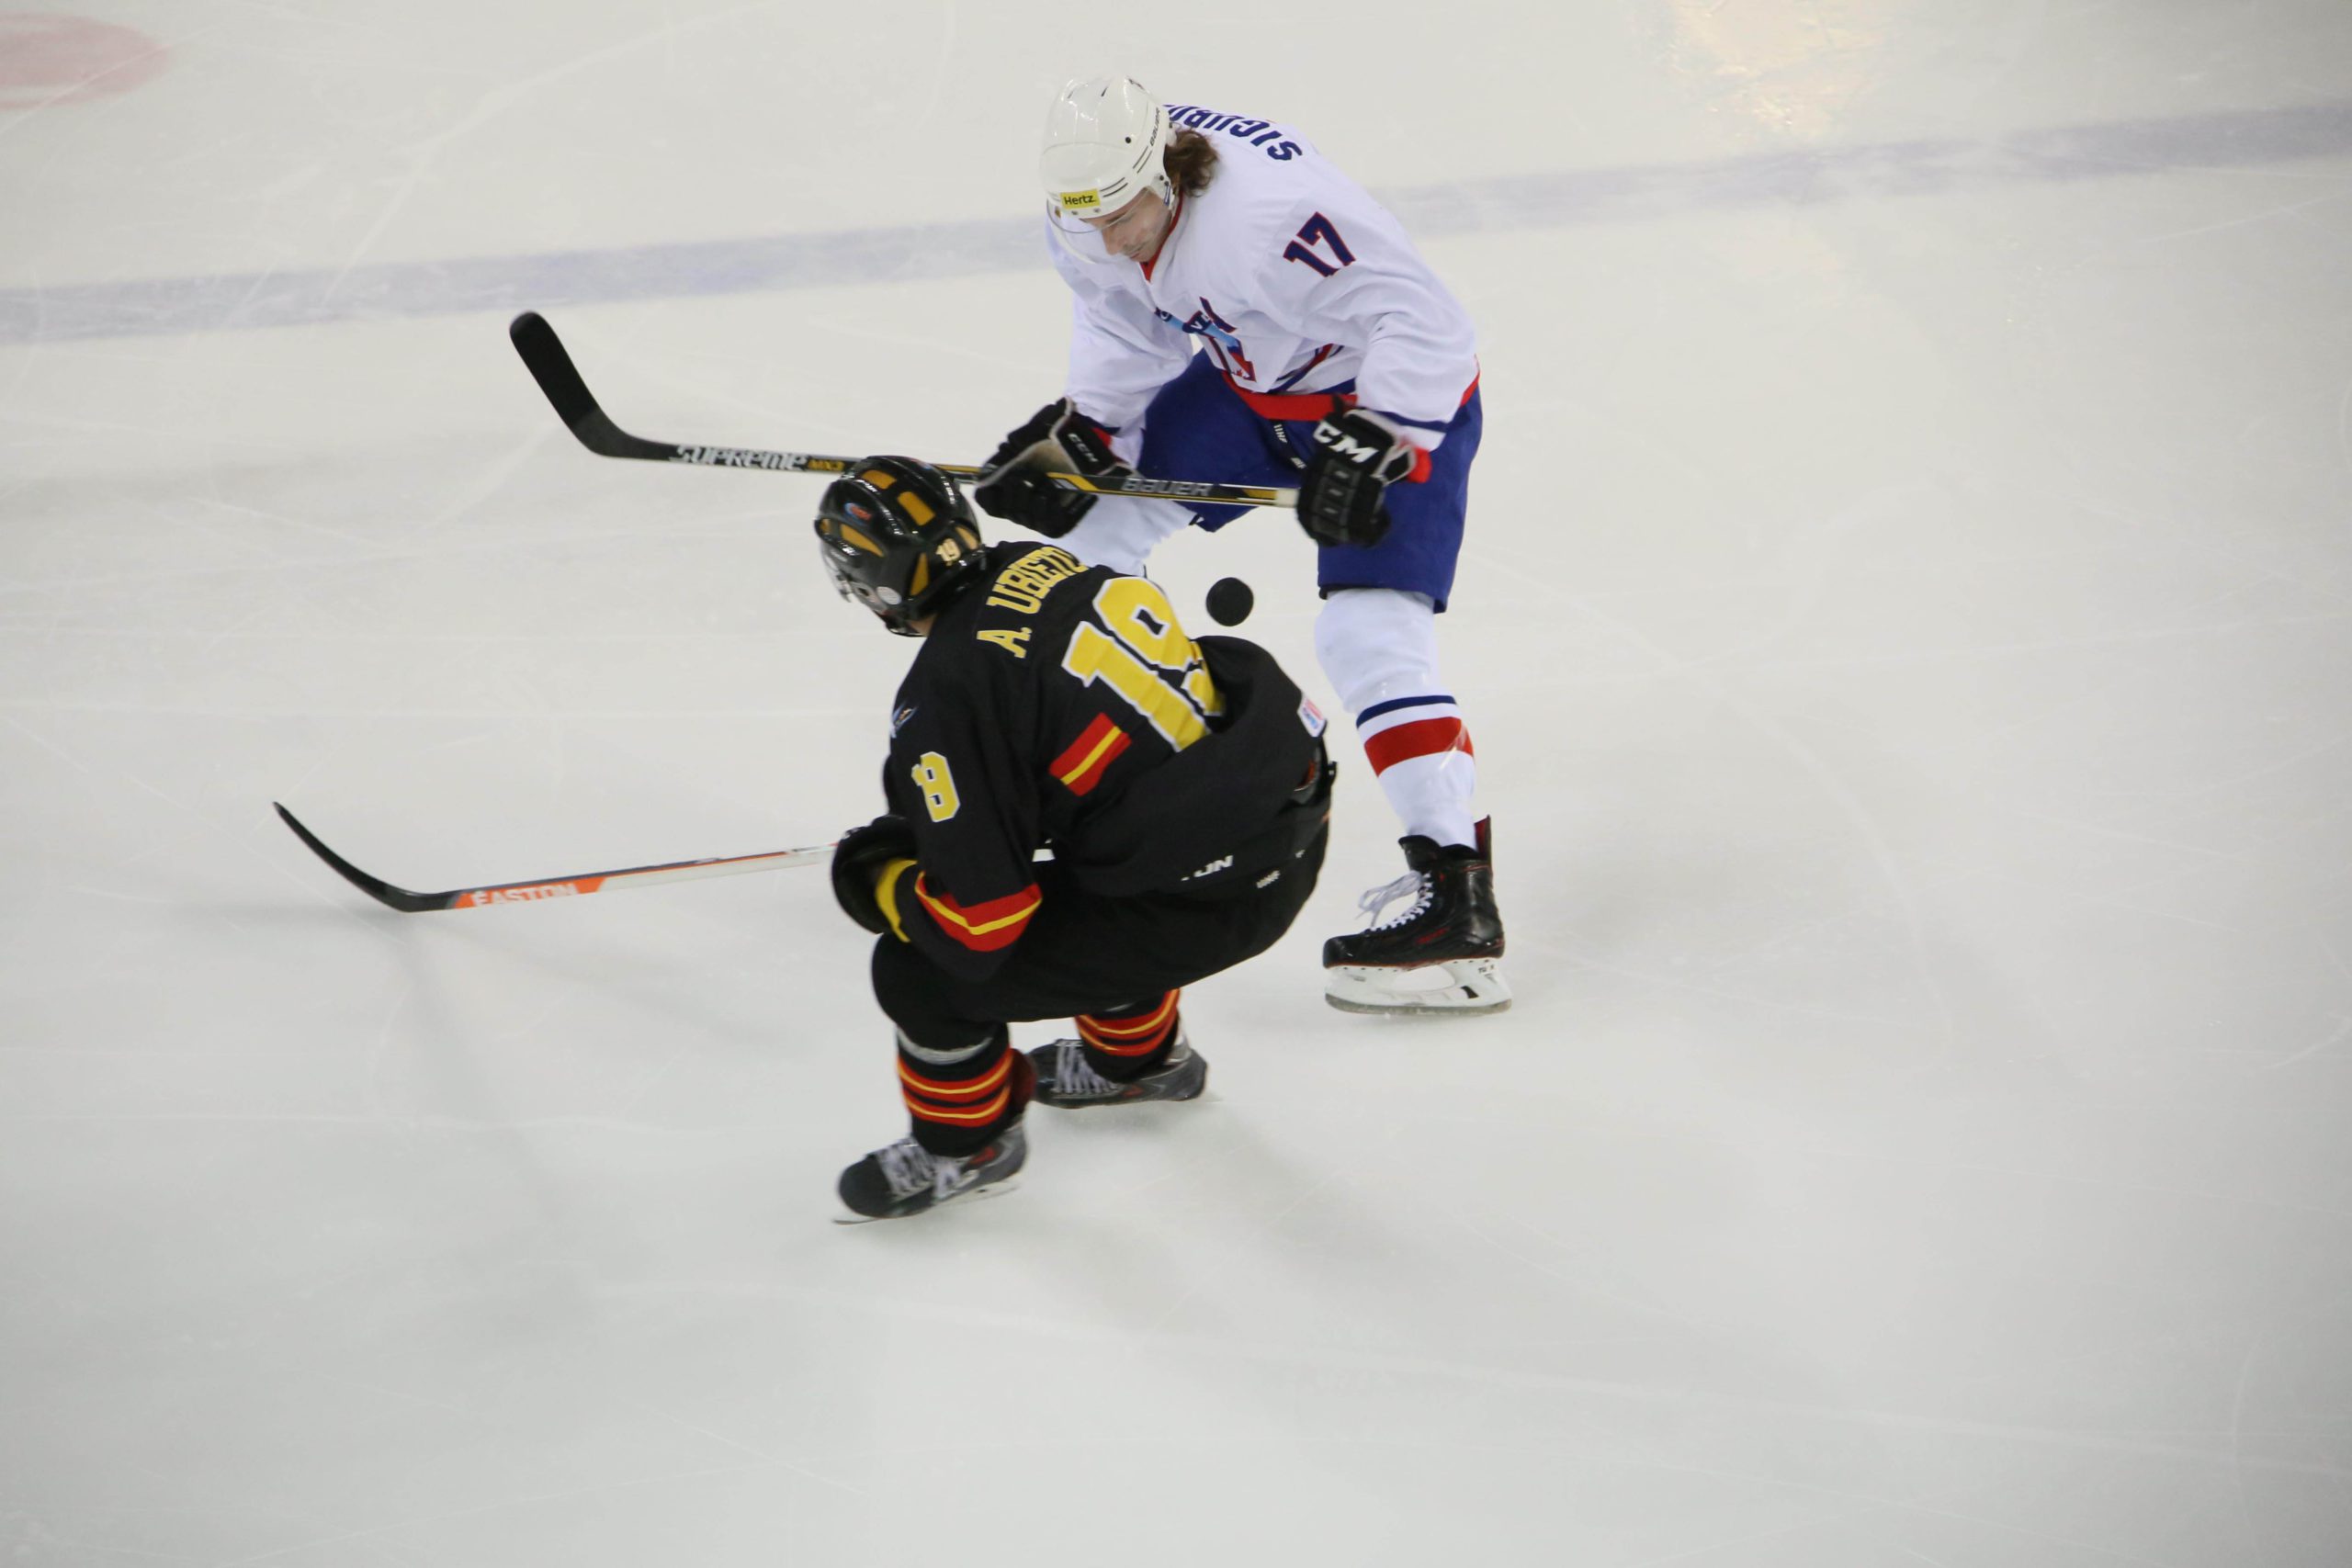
{"x":1181,"y":787}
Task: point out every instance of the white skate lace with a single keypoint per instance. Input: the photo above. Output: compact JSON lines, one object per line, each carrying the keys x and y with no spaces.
{"x":908,"y":1167}
{"x":1073,"y":1074}
{"x":1413,"y":884}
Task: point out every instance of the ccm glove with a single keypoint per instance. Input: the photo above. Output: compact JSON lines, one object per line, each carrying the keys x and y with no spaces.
{"x":1358,"y":455}
{"x":1057,"y":438}
{"x":861,"y":858}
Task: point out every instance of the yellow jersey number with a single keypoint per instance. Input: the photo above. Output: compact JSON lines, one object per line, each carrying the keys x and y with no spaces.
{"x":1145,"y":639}
{"x":936,"y":785}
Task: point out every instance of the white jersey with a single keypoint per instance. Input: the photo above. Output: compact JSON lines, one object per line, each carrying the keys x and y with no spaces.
{"x":1289,"y":273}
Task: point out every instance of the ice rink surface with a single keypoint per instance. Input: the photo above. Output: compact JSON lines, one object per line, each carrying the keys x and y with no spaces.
{"x":1904,"y":624}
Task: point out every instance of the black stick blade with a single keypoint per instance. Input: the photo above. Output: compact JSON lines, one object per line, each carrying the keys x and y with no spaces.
{"x":551,"y":366}
{"x":376,"y":888}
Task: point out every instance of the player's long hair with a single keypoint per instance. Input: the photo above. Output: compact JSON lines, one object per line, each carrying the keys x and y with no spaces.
{"x":1191,"y":162}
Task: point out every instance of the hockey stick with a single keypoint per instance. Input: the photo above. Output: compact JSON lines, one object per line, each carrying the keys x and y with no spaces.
{"x":551,"y":367}
{"x":586,"y":882}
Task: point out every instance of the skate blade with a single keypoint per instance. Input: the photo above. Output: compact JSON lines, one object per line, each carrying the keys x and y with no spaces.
{"x":1198,"y":1093}
{"x":1461,"y":987}
{"x":977,"y":1194}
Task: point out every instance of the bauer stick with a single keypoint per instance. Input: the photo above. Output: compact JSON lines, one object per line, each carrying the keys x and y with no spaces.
{"x":551,"y":367}
{"x":585,"y":882}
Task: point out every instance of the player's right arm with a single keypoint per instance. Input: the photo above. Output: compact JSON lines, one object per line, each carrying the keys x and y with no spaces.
{"x":1119,"y":351}
{"x":970,"y":890}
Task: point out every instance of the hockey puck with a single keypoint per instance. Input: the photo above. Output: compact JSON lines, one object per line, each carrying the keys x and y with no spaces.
{"x":1230,"y":601}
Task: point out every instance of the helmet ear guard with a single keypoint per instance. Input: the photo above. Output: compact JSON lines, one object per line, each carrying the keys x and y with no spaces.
{"x":897,"y":536}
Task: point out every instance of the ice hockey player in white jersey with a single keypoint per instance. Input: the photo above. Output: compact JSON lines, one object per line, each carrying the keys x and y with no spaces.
{"x":1246,"y":313}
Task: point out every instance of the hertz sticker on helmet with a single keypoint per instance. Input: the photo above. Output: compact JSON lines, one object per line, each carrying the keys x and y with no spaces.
{"x":1080,"y":200}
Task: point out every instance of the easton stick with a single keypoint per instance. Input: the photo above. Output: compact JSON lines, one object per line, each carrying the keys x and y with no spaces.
{"x":551,"y":366}
{"x":584,"y":882}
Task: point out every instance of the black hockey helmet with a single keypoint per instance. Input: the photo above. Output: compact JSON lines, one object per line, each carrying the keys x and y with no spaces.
{"x":898,"y":539}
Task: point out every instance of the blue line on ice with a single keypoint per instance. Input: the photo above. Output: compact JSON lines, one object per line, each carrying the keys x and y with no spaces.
{"x":2216,"y":142}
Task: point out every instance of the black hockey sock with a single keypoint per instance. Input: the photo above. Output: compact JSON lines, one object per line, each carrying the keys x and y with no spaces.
{"x":960,"y":1098}
{"x":1125,"y":1043}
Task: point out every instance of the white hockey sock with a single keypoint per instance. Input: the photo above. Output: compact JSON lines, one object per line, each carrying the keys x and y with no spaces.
{"x":1421,"y":755}
{"x":1378,"y":648}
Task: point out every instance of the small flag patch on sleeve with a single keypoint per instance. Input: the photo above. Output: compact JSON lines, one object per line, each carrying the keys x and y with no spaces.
{"x":1082,"y":767}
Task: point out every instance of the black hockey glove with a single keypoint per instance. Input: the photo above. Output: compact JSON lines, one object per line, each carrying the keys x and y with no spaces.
{"x":1358,"y":455}
{"x":1057,"y":438}
{"x":860,"y":858}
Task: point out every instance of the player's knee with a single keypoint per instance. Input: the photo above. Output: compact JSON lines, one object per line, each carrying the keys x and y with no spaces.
{"x":1373,"y":643}
{"x":900,"y":974}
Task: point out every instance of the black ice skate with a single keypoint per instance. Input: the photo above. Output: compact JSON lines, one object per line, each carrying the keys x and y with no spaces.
{"x":1065,"y":1077}
{"x":907,"y":1179}
{"x":1442,"y":955}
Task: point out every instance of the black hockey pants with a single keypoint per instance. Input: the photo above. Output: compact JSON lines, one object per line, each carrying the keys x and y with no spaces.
{"x":1085,"y":952}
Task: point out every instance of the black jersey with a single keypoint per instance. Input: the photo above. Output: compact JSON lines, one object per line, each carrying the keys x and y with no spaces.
{"x":1059,"y":706}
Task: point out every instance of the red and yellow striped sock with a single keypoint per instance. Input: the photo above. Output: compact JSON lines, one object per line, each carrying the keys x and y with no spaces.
{"x":1125,"y":1043}
{"x":961,"y":1100}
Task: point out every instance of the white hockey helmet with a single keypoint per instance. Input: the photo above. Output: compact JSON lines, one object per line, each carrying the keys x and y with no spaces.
{"x":1104,"y":138}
